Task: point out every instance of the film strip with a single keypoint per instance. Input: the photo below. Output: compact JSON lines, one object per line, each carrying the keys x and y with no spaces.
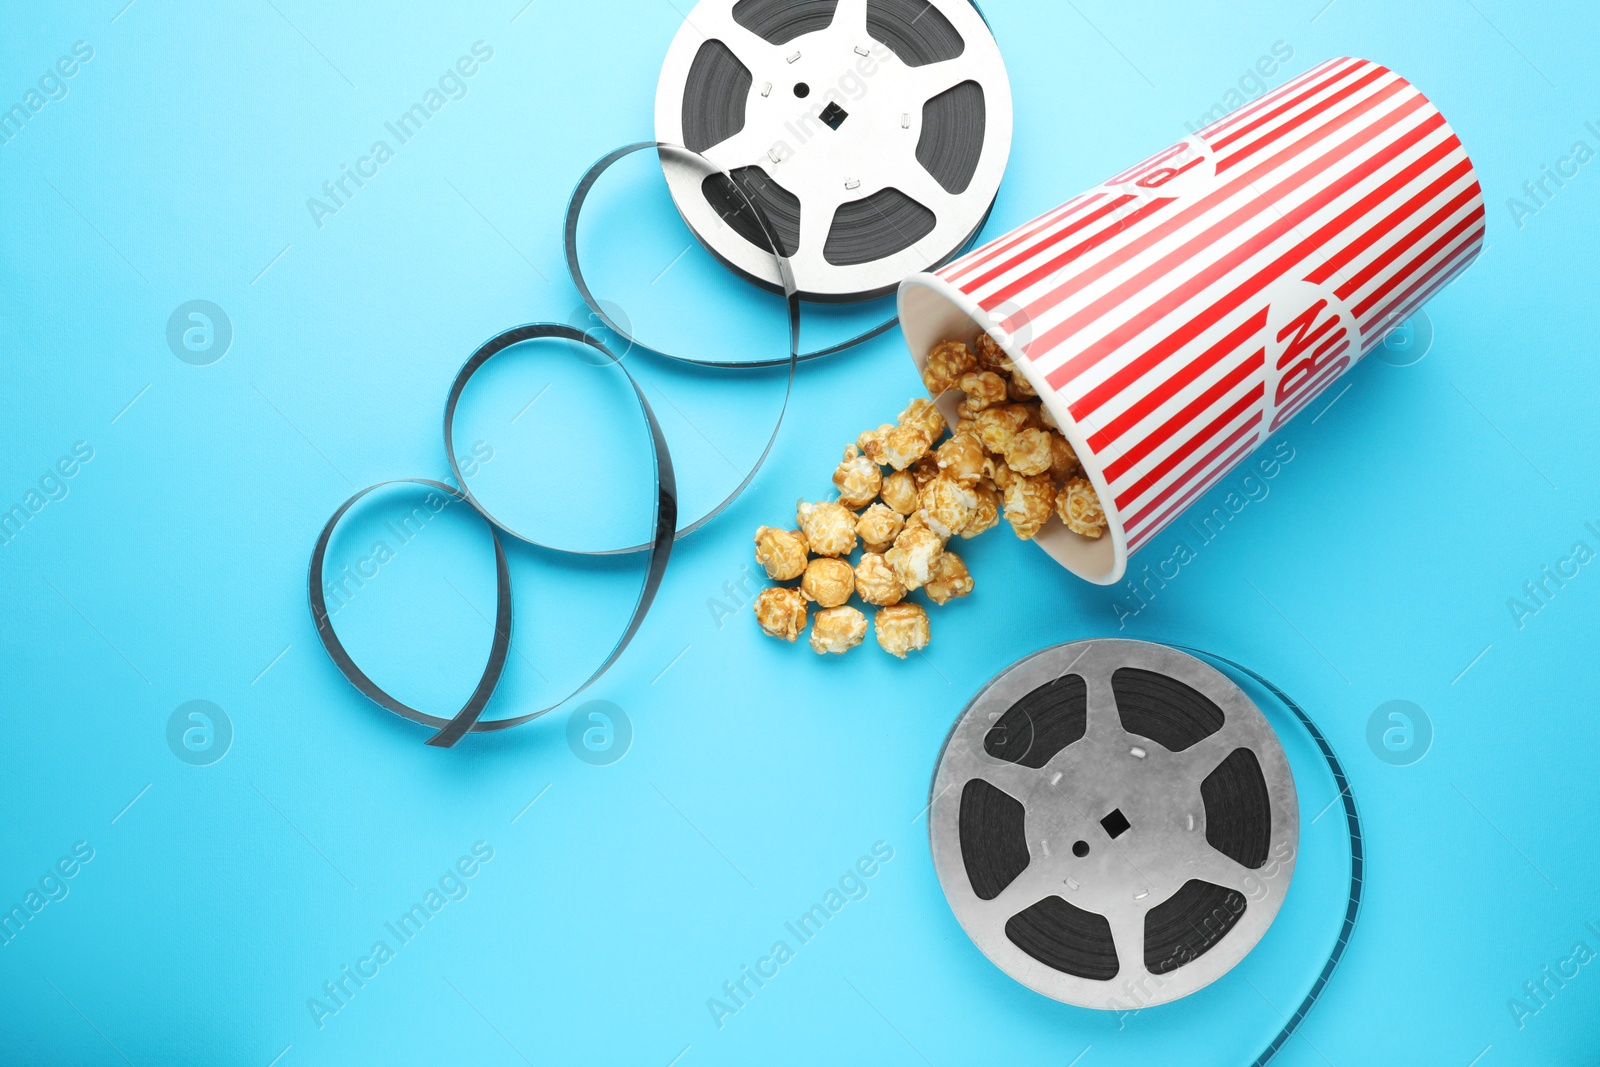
{"x":1109,"y":813}
{"x":664,"y":523}
{"x":954,"y":142}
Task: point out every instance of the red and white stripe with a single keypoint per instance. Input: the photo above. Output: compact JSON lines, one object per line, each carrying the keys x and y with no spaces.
{"x":1190,"y":305}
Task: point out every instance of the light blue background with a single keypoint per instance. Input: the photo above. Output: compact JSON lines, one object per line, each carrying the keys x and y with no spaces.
{"x":221,"y":898}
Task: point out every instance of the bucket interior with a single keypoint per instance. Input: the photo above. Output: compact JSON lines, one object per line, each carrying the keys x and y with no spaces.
{"x":933,"y":310}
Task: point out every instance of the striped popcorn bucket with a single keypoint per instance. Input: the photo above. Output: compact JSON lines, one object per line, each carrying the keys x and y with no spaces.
{"x":1177,"y":315}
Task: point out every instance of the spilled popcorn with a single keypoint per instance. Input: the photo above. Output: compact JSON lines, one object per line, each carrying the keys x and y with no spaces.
{"x":1005,"y":458}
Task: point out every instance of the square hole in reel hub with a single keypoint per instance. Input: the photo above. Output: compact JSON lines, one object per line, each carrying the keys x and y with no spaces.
{"x":1115,"y":823}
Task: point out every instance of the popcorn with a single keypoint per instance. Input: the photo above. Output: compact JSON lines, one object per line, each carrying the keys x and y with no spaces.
{"x":923,"y":414}
{"x":947,"y":361}
{"x":1029,"y":452}
{"x":828,"y":582}
{"x":999,"y":424}
{"x":1028,"y":502}
{"x":986,"y":516}
{"x":781,"y":611}
{"x":913,"y":555}
{"x":902,"y":628}
{"x":983,"y":389}
{"x":878,"y":526}
{"x":962,"y":458}
{"x":871,"y":442}
{"x":948,"y":580}
{"x":947,"y":505}
{"x":1006,"y":457}
{"x":781,"y":552}
{"x":830,"y":529}
{"x":991,"y":356}
{"x":900,"y":492}
{"x":904,"y":445}
{"x":1080,"y":508}
{"x":838,"y":630}
{"x":858,"y":479}
{"x":1063,"y":460}
{"x":876,"y":582}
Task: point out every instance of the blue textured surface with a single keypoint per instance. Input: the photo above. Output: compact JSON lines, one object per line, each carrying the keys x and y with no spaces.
{"x":1381,"y":564}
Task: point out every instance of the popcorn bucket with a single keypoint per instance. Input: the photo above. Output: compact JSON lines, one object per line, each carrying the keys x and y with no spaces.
{"x":1175,"y":316}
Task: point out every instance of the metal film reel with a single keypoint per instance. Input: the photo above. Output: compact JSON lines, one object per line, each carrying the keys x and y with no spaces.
{"x":873,"y":133}
{"x":1114,"y":823}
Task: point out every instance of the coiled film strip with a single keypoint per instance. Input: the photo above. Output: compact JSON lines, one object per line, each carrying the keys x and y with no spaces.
{"x":961,"y":139}
{"x":664,"y":522}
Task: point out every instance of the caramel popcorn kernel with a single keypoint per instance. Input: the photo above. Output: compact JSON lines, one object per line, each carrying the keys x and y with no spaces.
{"x":858,"y":479}
{"x":999,"y":424}
{"x":923,"y":414}
{"x":1028,"y":503}
{"x":983,"y":389}
{"x":902,"y":628}
{"x":924,"y":471}
{"x":947,"y":361}
{"x":962,"y":457}
{"x":871,"y":442}
{"x":947,"y":505}
{"x":914,"y":553}
{"x":781,"y":552}
{"x":876,"y":581}
{"x":990,"y":356}
{"x":828,"y":582}
{"x":1063,"y":460}
{"x":838,"y":630}
{"x":878,"y":526}
{"x":904,"y":445}
{"x":781,"y":611}
{"x":986,"y":516}
{"x":900,"y":492}
{"x":950,"y":579}
{"x":1020,"y":388}
{"x":1029,"y":452}
{"x":1080,"y":508}
{"x":830,"y":528}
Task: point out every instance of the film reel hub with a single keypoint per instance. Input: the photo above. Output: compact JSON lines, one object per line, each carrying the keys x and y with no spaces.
{"x":1113,"y":819}
{"x":873,"y":133}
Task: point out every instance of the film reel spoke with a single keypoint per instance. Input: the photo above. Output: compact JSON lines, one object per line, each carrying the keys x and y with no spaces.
{"x":1199,"y":761}
{"x":927,"y":82}
{"x":1209,"y":865}
{"x":715,"y":22}
{"x":1034,"y":884}
{"x":921,"y":186}
{"x":734,"y":152}
{"x":851,"y":16}
{"x":1104,"y":724}
{"x":1127,"y":935}
{"x":1013,"y":780}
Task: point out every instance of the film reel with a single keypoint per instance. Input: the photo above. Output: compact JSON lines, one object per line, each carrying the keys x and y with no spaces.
{"x":1110,"y":815}
{"x":873,"y":133}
